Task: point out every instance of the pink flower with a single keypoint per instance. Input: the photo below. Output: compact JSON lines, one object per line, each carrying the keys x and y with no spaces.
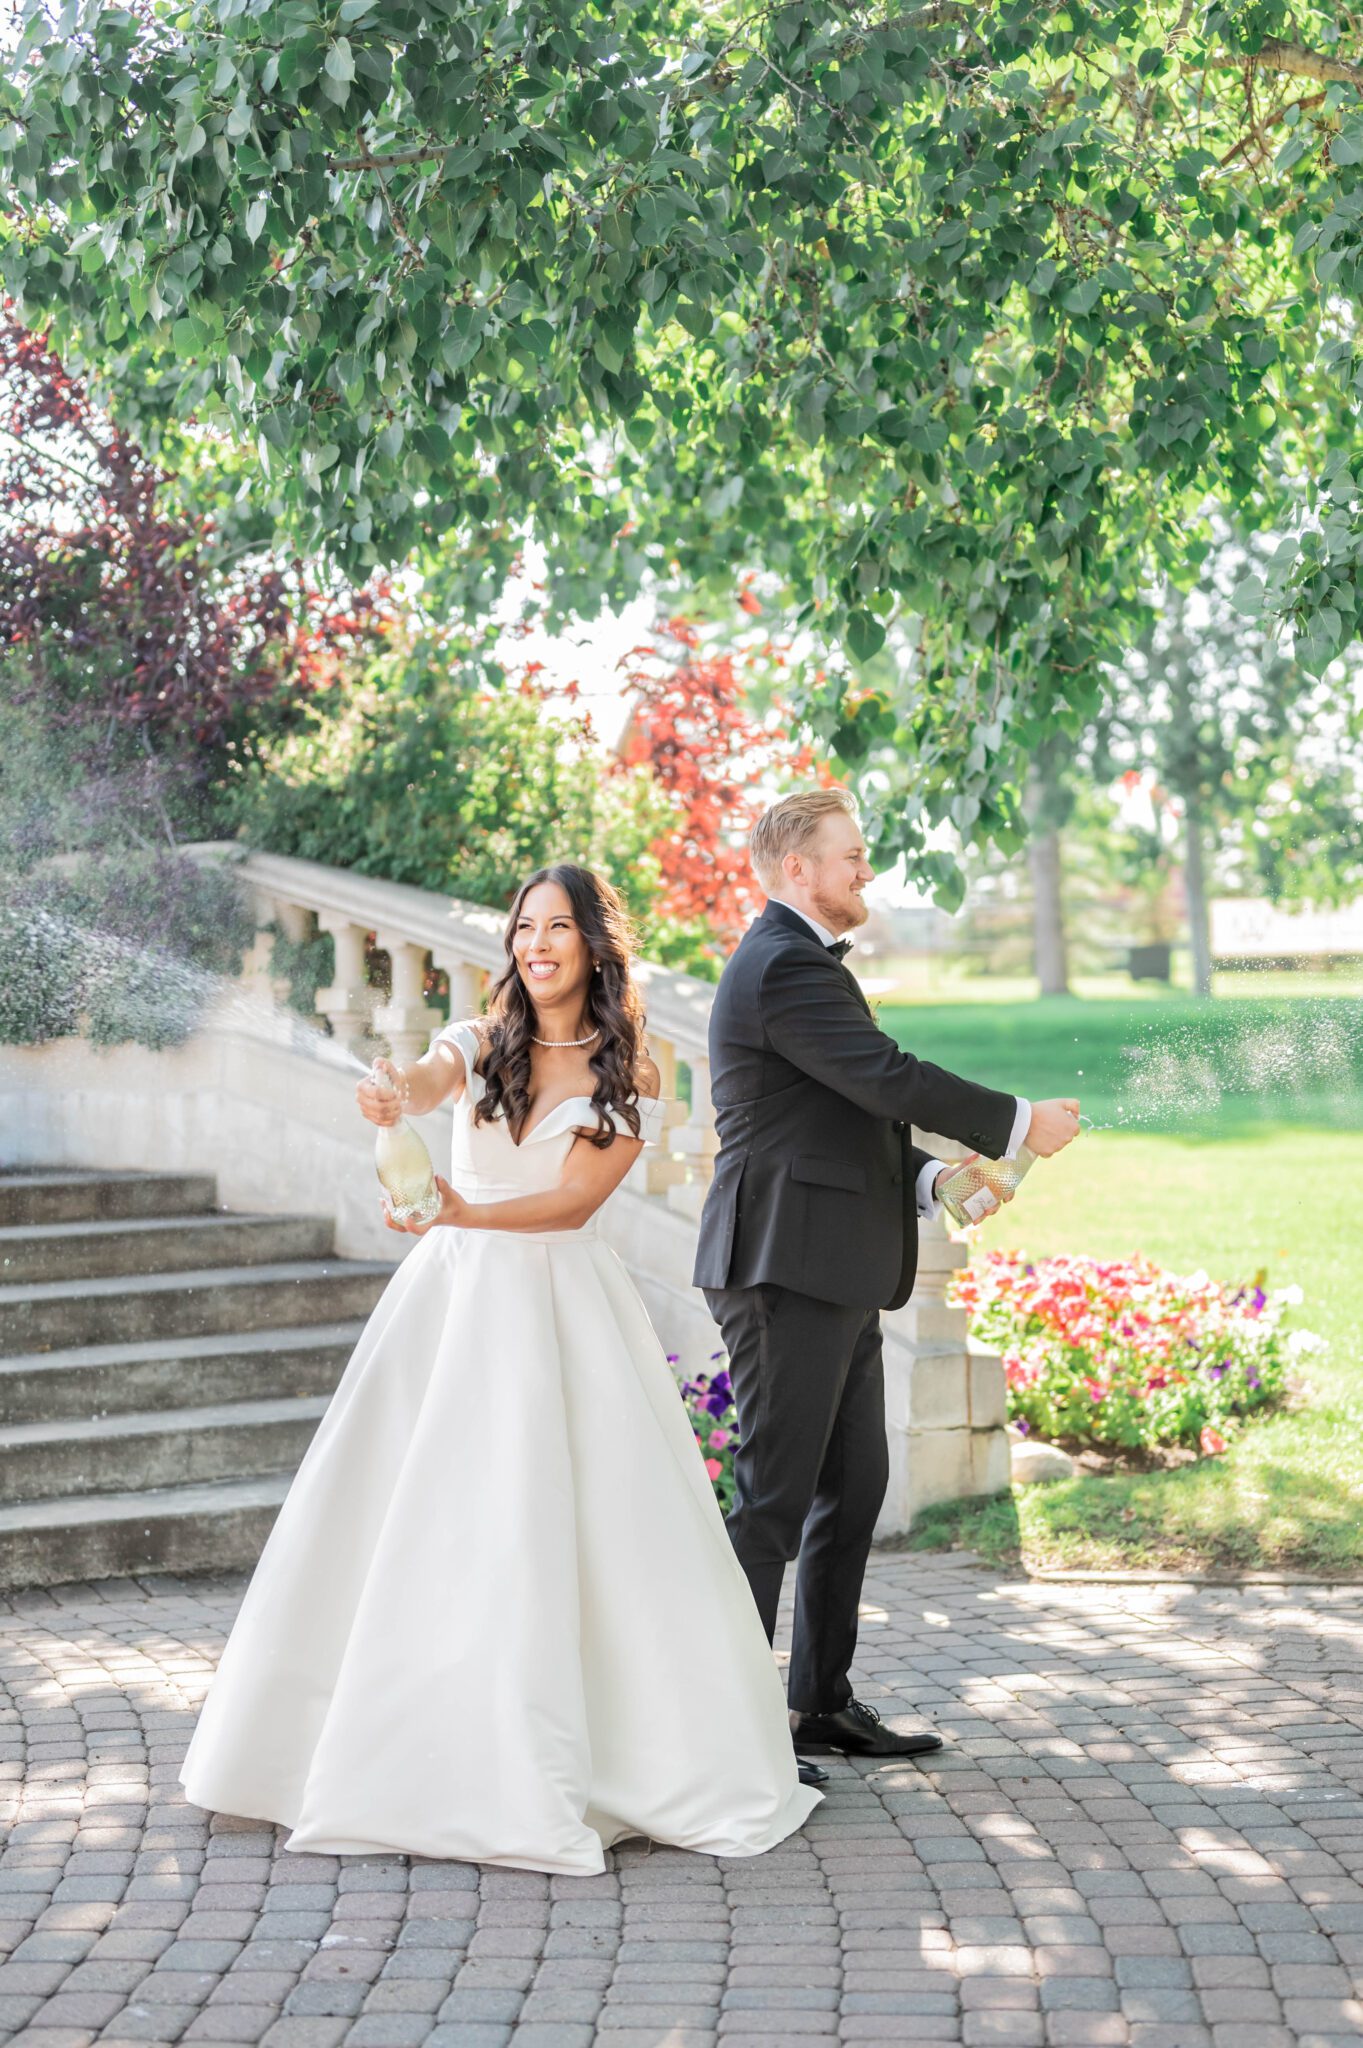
{"x":713,"y":1467}
{"x":1211,"y":1441}
{"x":718,"y":1439}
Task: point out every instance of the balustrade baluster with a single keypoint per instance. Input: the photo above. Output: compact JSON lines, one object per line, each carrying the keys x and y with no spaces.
{"x":697,"y":1142}
{"x":274,"y":914}
{"x":347,"y":1002}
{"x":467,"y":984}
{"x":656,"y":1170}
{"x":406,"y":1020}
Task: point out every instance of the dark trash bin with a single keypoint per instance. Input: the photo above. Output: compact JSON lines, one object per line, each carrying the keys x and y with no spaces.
{"x":1149,"y":963}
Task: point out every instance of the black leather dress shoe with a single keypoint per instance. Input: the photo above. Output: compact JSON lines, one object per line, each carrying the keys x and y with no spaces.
{"x":810,"y":1774}
{"x":857,"y":1730}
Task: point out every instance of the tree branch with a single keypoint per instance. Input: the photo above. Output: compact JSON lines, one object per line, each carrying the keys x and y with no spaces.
{"x":1273,"y":55}
{"x":422,"y":153}
{"x":1298,"y":62}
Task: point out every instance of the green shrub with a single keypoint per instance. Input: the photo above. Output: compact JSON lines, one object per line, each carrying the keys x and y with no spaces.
{"x":129,"y":947}
{"x":416,"y":775}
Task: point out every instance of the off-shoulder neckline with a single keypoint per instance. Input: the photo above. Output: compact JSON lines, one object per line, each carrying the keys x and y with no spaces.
{"x":471,"y":1074}
{"x":645,"y":1102}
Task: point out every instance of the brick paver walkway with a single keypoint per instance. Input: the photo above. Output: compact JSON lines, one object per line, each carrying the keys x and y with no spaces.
{"x":1147,"y":1829}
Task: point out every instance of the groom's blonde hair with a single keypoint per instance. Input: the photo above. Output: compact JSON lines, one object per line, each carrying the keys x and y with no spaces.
{"x":790,"y":826}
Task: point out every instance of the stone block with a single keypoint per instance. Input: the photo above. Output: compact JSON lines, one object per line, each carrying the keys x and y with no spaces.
{"x":988,"y":1391}
{"x":989,"y":1461}
{"x":938,"y":1466}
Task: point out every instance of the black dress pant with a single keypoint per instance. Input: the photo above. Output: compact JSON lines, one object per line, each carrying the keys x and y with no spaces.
{"x":810,"y":1471}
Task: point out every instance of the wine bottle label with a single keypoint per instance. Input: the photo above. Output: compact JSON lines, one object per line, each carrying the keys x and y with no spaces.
{"x":982,"y":1203}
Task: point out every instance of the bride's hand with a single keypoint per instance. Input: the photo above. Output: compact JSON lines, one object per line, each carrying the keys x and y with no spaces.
{"x":377,"y":1104}
{"x":451,"y":1211}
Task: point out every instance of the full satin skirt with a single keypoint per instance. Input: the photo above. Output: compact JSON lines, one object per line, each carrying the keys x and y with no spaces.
{"x":498,"y":1617}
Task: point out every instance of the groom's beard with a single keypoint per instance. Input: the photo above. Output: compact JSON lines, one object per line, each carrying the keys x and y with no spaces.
{"x":841,"y":916}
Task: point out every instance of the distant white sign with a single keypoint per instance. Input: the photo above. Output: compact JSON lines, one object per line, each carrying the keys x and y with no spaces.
{"x":1246,"y":930}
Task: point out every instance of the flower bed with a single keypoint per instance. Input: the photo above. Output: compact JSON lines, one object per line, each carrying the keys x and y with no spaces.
{"x":709,"y":1402}
{"x":1123,"y":1353}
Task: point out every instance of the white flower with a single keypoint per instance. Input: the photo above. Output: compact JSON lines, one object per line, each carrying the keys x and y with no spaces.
{"x":1290,"y":1297}
{"x":1304,"y":1344}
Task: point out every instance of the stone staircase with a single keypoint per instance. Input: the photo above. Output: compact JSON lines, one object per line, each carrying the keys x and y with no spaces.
{"x":162,"y":1368}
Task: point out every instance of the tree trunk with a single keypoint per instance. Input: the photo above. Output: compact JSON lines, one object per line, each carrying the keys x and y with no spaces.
{"x":1195,"y":888}
{"x":1049,"y":953}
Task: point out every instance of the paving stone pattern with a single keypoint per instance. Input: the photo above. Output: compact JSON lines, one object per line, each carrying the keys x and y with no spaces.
{"x":1147,"y":1829}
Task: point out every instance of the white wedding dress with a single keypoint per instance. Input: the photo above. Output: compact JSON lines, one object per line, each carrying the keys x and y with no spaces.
{"x":498,"y":1617}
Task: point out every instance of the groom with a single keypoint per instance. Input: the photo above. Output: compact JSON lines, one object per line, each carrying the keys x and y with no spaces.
{"x":810,"y":1228}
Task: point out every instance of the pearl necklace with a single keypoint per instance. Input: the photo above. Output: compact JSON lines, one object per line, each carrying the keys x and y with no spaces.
{"x":561,"y":1044}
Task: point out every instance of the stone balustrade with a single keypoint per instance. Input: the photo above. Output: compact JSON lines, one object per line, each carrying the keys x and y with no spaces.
{"x":278,"y":1126}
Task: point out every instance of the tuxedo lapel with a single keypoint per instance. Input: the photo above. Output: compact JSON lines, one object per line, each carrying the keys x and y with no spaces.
{"x":780,"y":917}
{"x":783,"y":919}
{"x":858,"y":990}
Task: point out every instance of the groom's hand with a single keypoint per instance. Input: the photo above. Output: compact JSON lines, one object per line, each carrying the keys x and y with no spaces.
{"x":1054,"y":1125}
{"x":954,"y":1166}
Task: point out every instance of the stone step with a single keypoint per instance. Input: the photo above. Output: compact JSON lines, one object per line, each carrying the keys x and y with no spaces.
{"x":175,"y":1447}
{"x":156,"y":1244}
{"x":55,"y":1315}
{"x":76,"y":1194}
{"x":221,"y":1526}
{"x":111,"y":1379}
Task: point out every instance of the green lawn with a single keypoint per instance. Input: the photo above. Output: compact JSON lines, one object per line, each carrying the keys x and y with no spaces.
{"x":1245,"y":1182}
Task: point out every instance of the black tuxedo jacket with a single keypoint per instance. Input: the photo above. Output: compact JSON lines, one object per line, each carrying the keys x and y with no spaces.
{"x":814,"y":1185}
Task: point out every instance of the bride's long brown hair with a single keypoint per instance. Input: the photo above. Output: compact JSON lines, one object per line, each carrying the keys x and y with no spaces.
{"x":612,"y":1005}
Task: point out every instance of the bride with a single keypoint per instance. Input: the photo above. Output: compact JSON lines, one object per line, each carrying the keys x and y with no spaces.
{"x":498,"y":1617}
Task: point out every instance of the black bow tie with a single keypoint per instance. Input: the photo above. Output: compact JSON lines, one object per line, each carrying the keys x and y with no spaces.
{"x":840,"y":948}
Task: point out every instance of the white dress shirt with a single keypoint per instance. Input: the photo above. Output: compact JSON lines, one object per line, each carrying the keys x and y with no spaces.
{"x":929,"y":1208}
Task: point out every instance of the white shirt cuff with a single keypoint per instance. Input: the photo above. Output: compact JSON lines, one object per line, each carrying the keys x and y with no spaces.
{"x":1020,"y":1124}
{"x":929,"y":1208}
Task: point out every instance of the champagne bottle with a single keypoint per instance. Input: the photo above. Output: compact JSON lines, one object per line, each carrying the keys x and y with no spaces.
{"x":404,"y":1165}
{"x":965,"y":1196}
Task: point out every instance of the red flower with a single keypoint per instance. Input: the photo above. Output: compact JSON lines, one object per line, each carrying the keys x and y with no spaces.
{"x":1211,"y":1441}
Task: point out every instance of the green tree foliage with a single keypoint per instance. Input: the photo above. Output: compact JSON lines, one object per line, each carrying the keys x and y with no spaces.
{"x":414,"y":772}
{"x":948,"y":318}
{"x":1264,"y":766}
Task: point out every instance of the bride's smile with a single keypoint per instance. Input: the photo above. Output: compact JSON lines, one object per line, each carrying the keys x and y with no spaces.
{"x":554,"y":960}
